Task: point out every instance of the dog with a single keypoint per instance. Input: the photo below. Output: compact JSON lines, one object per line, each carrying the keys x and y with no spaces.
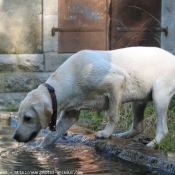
{"x":102,"y":80}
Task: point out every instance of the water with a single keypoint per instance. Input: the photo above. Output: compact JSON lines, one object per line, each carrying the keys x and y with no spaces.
{"x":64,"y":157}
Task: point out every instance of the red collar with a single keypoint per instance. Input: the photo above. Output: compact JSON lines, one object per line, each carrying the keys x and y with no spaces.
{"x":52,"y":125}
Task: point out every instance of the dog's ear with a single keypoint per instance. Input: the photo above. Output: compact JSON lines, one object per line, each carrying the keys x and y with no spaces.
{"x":44,"y":113}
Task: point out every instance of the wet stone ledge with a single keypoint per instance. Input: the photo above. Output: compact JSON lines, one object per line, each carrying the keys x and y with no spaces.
{"x":125,"y":149}
{"x":142,"y":159}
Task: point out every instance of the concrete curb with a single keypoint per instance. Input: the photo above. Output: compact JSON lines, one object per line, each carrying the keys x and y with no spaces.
{"x":127,"y":150}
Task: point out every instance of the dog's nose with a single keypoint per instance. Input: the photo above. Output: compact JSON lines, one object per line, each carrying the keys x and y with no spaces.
{"x":16,"y":137}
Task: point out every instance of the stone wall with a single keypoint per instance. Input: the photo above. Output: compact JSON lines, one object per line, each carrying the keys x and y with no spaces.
{"x":20,"y":73}
{"x":28,"y":52}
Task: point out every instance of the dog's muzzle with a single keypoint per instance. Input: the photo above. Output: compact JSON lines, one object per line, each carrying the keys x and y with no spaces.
{"x":18,"y":138}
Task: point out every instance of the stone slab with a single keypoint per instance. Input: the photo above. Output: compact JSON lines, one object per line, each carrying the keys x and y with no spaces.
{"x":40,"y":78}
{"x":8,"y":62}
{"x":54,"y":60}
{"x":19,"y":82}
{"x":7,"y":115}
{"x":31,"y":62}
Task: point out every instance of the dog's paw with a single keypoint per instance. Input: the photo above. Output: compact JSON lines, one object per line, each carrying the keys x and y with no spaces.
{"x":122,"y":135}
{"x":102,"y":134}
{"x":151,"y":144}
{"x":118,"y":135}
{"x":128,"y":134}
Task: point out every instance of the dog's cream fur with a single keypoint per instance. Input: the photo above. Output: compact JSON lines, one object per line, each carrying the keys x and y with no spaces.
{"x":103,"y":80}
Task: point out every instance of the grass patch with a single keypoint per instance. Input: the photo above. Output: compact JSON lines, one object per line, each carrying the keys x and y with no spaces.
{"x":11,"y":108}
{"x":94,"y":120}
{"x":168,"y":144}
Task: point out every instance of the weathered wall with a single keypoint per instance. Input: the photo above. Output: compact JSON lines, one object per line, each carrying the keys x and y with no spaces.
{"x":21,"y":26}
{"x":28,"y":52}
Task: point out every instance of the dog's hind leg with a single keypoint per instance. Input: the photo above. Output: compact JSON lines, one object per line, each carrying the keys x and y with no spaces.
{"x":115,"y":87}
{"x":65,"y":121}
{"x":138,"y":126}
{"x":162,"y":94}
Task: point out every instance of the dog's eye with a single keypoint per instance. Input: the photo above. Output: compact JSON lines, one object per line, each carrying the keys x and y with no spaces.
{"x":27,"y":118}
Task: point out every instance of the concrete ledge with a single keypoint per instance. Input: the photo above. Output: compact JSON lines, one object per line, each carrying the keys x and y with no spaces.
{"x":7,"y":115}
{"x":123,"y":148}
{"x":146,"y":160}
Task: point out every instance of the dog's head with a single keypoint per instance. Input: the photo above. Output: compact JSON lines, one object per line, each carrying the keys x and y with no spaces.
{"x":34,"y":114}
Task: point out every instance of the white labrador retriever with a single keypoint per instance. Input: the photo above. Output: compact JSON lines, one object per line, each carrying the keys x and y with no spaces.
{"x":102,"y":80}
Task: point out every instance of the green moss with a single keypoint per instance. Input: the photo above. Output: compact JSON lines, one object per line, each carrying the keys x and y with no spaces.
{"x":11,"y":108}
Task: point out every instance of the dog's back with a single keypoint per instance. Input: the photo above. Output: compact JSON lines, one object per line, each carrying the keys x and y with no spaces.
{"x":141,"y":67}
{"x":145,"y":66}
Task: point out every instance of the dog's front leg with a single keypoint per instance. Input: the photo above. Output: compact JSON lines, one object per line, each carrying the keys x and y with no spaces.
{"x":115,"y":84}
{"x":65,"y":121}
